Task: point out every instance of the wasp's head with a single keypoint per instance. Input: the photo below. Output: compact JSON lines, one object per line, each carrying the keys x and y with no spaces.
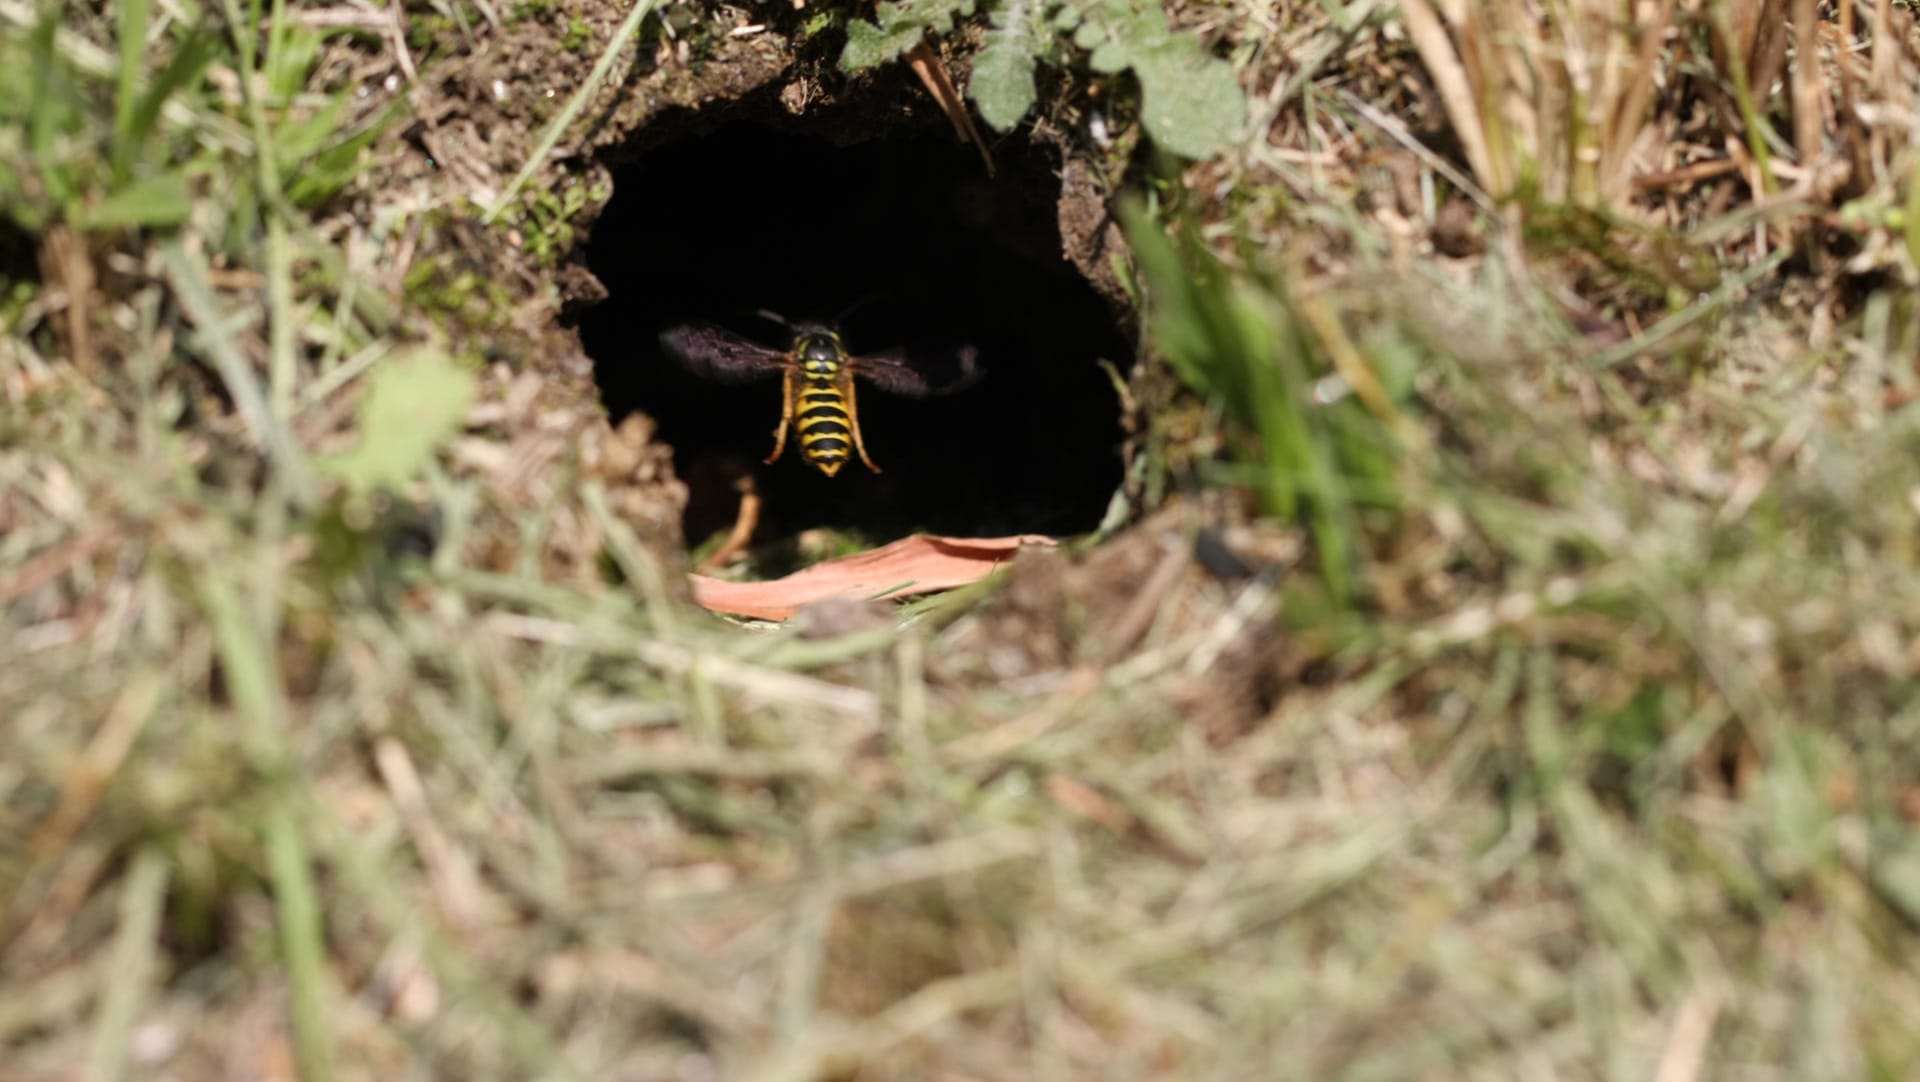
{"x":817,"y":344}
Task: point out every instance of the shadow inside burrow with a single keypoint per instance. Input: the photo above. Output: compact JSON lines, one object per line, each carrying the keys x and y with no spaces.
{"x":899,"y":239}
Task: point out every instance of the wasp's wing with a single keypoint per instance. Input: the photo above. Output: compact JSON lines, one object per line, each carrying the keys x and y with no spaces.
{"x":921,"y":371}
{"x":720,"y":355}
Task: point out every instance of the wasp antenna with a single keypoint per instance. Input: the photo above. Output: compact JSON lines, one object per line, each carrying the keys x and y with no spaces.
{"x":774,"y":317}
{"x":856,"y":306}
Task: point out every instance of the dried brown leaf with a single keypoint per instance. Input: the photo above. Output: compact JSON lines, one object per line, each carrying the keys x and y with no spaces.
{"x":910,"y":566}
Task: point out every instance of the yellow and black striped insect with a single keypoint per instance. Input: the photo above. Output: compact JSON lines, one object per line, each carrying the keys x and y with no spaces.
{"x":817,"y":375}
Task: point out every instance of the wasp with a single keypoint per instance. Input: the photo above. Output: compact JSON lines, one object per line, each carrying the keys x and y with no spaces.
{"x":817,"y":374}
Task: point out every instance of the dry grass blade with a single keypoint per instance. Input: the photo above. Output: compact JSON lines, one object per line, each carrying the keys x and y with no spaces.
{"x":933,"y":75}
{"x":1451,"y":78}
{"x":106,"y":752}
{"x":456,"y":882}
{"x":829,"y":1052}
{"x":1562,"y":102}
{"x":1686,"y":1050}
{"x":1626,"y":108}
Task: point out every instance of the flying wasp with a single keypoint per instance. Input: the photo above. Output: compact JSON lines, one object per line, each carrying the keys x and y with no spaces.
{"x":816,"y":374}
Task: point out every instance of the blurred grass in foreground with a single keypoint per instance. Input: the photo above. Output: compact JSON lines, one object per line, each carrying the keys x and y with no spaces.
{"x":1606,"y":767}
{"x":1324,"y":423}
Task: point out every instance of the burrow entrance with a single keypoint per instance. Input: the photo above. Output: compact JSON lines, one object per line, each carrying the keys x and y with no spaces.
{"x":905,"y":235}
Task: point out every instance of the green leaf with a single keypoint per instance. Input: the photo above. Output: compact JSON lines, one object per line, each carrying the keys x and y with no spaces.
{"x":1145,"y":25}
{"x":413,"y":404}
{"x":1110,"y":58}
{"x":159,"y":200}
{"x":896,"y":28}
{"x":870,"y":46}
{"x":1002,"y":83}
{"x":1191,"y":103}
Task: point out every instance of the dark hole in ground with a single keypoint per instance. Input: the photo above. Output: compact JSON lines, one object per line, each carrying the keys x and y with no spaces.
{"x":713,"y":226}
{"x":19,"y":261}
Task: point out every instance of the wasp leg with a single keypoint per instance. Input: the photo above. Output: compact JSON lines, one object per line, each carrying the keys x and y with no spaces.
{"x":786,"y":416}
{"x":853,"y":421}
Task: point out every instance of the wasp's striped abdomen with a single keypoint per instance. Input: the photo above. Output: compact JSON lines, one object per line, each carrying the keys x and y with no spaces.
{"x":821,"y":418}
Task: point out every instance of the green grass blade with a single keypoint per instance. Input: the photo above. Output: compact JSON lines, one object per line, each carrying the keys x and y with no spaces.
{"x":48,"y":112}
{"x":133,"y":42}
{"x":196,"y":297}
{"x":253,"y":679}
{"x":302,"y":939}
{"x":129,"y":977}
{"x":182,"y":71}
{"x":1911,"y":233}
